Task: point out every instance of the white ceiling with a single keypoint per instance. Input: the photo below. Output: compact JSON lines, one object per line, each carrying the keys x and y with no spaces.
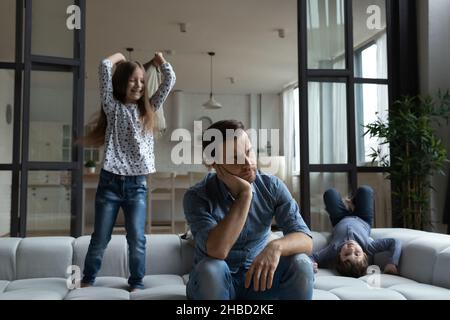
{"x":241,"y":32}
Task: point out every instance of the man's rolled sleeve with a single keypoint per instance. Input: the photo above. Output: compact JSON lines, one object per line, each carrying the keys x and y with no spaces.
{"x":199,"y":218}
{"x":287,"y":212}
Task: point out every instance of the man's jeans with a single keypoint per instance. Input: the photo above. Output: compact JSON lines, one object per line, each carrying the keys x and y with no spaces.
{"x":212,"y":280}
{"x":113,"y":192}
{"x":363,"y":202}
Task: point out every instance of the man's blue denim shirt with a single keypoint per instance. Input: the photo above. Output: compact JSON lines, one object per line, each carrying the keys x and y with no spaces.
{"x":207,"y":203}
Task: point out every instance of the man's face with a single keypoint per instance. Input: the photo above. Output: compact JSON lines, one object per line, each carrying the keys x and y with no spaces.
{"x":351,"y":251}
{"x":238,"y":157}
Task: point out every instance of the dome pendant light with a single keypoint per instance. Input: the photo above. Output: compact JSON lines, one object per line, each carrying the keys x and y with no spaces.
{"x":212,"y":103}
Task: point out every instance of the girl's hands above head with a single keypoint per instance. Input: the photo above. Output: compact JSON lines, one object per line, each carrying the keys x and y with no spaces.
{"x":158,"y":60}
{"x":117,"y":58}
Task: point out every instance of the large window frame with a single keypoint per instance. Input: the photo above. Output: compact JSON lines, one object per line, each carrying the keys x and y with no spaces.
{"x":26,"y":62}
{"x":401,"y":37}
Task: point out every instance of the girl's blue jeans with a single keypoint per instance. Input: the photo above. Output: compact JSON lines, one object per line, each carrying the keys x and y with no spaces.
{"x":130,"y":194}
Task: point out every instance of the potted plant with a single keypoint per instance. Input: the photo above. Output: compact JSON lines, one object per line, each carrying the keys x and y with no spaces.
{"x":416,"y":153}
{"x":90,"y":166}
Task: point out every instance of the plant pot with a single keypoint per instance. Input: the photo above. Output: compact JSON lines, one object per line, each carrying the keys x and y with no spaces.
{"x":91,"y":170}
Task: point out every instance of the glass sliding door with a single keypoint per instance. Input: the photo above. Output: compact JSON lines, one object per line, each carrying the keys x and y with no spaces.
{"x":53,"y":86}
{"x":326,"y":34}
{"x":344,"y":85}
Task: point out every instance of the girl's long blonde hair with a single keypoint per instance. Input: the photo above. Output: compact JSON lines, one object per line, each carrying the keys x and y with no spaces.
{"x":96,"y":136}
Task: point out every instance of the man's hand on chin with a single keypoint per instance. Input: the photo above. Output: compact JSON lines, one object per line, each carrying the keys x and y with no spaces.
{"x":235,"y":184}
{"x":263,"y":268}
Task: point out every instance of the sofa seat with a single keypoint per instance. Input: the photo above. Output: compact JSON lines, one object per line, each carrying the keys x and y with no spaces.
{"x":421,"y":291}
{"x":54,"y":288}
{"x":3,"y":285}
{"x":98,"y":293}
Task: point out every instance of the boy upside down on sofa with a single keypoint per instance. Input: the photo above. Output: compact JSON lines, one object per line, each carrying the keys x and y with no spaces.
{"x":351,"y":246}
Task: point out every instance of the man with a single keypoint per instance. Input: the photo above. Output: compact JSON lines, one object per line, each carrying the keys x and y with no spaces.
{"x":230,"y":214}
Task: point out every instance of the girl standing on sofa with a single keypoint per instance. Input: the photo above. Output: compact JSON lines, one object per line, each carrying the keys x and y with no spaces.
{"x":125,"y":127}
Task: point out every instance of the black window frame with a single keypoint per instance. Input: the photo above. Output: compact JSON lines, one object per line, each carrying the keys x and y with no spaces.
{"x":401,"y":32}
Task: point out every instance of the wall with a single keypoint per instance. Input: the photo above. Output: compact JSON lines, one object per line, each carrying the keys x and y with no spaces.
{"x":434,"y":52}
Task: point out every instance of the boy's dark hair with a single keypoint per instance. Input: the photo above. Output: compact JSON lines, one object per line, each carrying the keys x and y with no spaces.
{"x":222,"y":126}
{"x":352,"y":269}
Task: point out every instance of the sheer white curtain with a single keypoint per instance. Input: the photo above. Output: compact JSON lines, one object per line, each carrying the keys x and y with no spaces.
{"x":289,"y":134}
{"x":382,"y":91}
{"x":327,"y":105}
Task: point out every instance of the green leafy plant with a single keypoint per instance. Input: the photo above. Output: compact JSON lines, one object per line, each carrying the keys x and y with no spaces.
{"x":416,"y":153}
{"x":90,"y":164}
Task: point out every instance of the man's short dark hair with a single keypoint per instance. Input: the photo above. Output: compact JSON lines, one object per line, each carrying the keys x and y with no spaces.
{"x":222,"y":127}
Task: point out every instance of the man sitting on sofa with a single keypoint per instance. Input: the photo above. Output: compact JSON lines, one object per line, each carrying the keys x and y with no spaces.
{"x":230,"y":214}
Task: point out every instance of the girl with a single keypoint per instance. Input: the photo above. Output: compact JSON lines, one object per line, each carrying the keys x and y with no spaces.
{"x":125,"y":128}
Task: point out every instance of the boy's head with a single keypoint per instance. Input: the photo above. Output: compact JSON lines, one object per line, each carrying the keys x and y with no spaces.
{"x":352,"y":261}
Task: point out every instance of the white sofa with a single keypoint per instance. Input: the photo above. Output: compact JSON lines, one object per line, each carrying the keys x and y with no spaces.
{"x":35,"y":268}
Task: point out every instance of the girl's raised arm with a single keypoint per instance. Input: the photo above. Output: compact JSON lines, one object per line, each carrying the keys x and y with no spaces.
{"x":105,"y":77}
{"x":168,"y":83}
{"x":116,"y":58}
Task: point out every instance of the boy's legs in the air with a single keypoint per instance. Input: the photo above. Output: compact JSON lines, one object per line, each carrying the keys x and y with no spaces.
{"x":335,"y":206}
{"x":363,"y":201}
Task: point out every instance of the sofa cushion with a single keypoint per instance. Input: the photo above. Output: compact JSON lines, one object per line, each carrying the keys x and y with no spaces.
{"x":30,"y":294}
{"x":3,"y":285}
{"x":170,"y":292}
{"x":419,"y":257}
{"x":326,"y":273}
{"x":187,"y":255}
{"x":323,"y":295}
{"x":98,"y":293}
{"x":8,"y":248}
{"x":320,"y":240}
{"x":328,"y":283}
{"x":112,"y":282}
{"x":164,"y":255}
{"x":44,"y":257}
{"x":186,"y":278}
{"x":385,"y":280}
{"x":404,"y":235}
{"x":161,"y":280}
{"x":56,"y":285}
{"x":420,"y":291}
{"x":441,"y":276}
{"x":366,"y":293}
{"x":115,"y":260}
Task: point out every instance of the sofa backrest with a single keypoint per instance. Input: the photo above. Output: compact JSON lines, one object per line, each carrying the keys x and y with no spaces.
{"x":165,"y":254}
{"x":425,"y":256}
{"x":47,"y":257}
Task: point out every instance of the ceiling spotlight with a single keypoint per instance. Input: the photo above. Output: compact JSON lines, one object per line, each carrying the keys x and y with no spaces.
{"x":183,"y":27}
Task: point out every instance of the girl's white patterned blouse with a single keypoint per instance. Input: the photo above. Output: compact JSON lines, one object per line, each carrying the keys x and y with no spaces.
{"x":129,"y":149}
